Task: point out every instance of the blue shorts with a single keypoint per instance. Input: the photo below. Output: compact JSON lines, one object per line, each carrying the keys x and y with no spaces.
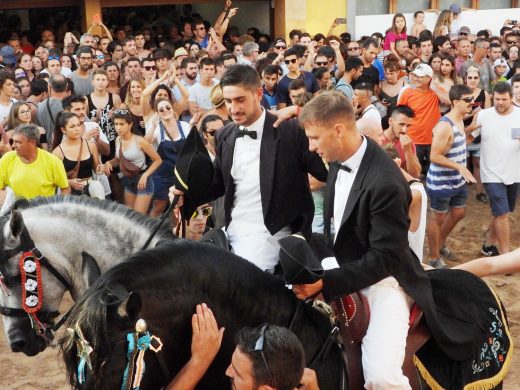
{"x":130,"y":184}
{"x":441,"y":204}
{"x":162,"y":186}
{"x":502,"y":197}
{"x":473,"y":150}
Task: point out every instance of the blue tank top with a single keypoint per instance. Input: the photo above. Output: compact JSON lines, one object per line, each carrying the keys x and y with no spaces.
{"x":442,"y":181}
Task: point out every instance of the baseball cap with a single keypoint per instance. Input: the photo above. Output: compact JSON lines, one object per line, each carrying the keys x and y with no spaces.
{"x":455,"y":9}
{"x":499,"y":61}
{"x":181,"y":51}
{"x":422,"y":70}
{"x":464,"y":30}
{"x":7,"y":53}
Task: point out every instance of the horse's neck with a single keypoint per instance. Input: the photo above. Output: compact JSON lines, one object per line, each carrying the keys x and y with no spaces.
{"x":62,"y":237}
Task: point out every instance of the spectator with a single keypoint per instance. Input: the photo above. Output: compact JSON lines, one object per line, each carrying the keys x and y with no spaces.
{"x":425,"y":49}
{"x":199,"y":100}
{"x":368,"y":56}
{"x":20,"y":114}
{"x":480,"y":61}
{"x":82,"y":77}
{"x":270,"y":97}
{"x":29,"y":170}
{"x":49,"y":109}
{"x":6,"y":92}
{"x":353,"y":69}
{"x":499,"y":162}
{"x":443,"y":24}
{"x":296,"y":90}
{"x":397,"y":135}
{"x":130,"y":156}
{"x":463,"y":53}
{"x":250,"y":52}
{"x":83,"y":156}
{"x":448,"y":174}
{"x":291,"y":57}
{"x":443,"y":81}
{"x":391,"y":86}
{"x":397,"y":31}
{"x":418,"y":23}
{"x":425,"y":104}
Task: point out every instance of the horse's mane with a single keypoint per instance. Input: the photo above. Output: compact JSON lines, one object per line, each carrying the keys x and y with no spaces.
{"x":191,"y":269}
{"x":91,"y":203}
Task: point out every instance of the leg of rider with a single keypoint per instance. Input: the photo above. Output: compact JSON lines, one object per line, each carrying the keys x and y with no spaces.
{"x":383,"y":347}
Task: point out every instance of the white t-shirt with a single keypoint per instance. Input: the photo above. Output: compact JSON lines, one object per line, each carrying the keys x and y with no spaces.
{"x":499,"y":152}
{"x":4,"y":110}
{"x":201,"y":95}
{"x":371,"y":112}
{"x":91,"y":126}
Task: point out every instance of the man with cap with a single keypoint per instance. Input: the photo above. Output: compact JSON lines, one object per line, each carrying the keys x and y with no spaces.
{"x":8,"y":56}
{"x":262,"y":172}
{"x":456,"y":11}
{"x":180,"y":54}
{"x":425,"y":104}
{"x":368,"y":198}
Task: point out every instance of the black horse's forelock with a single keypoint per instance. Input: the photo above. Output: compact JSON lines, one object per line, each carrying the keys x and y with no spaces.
{"x":104,"y":205}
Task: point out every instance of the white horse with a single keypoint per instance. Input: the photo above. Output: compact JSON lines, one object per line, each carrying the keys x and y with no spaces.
{"x":79,"y":237}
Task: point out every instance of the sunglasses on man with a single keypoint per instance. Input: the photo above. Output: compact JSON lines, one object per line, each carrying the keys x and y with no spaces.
{"x":205,"y":212}
{"x":292,"y":61}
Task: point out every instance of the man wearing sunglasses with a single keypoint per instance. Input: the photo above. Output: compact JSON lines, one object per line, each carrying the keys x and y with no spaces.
{"x":268,"y":357}
{"x":291,"y":60}
{"x":148,"y":70}
{"x":447,"y":178}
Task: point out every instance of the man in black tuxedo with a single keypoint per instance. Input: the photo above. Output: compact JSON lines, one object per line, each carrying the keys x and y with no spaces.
{"x":369,"y":199}
{"x":262,"y":172}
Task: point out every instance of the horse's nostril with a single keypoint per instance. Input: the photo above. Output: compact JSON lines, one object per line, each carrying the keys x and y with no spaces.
{"x":18,"y":346}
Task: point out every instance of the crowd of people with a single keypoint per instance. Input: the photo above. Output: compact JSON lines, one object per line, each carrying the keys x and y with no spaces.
{"x":106,"y":116}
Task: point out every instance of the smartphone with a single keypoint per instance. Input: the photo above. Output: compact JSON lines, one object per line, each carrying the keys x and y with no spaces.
{"x":515,"y":132}
{"x":341,"y":20}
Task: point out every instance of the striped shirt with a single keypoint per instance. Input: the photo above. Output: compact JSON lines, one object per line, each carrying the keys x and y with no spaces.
{"x":442,"y":181}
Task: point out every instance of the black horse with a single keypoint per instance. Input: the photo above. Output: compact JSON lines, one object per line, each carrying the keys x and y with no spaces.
{"x":163,"y":286}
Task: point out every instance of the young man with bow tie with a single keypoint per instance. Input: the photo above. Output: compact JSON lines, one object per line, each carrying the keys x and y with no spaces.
{"x":262,"y":172}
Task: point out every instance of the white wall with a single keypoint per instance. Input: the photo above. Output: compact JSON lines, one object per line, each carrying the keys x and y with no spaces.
{"x":250,"y":14}
{"x":475,"y":20}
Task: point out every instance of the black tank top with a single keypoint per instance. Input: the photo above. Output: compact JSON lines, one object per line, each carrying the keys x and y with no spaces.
{"x":105,"y":123}
{"x":85,"y":166}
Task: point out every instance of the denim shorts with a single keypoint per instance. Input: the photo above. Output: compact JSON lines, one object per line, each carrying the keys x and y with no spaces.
{"x":130,"y":184}
{"x":502,"y":197}
{"x":162,"y":186}
{"x":473,"y":150}
{"x":441,"y":204}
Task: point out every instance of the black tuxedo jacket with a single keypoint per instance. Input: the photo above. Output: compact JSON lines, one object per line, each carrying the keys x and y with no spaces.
{"x":285,"y":161}
{"x":372,"y":244}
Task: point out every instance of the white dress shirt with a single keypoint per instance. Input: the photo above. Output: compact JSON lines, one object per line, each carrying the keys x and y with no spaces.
{"x":344,"y":183}
{"x":247,"y":233}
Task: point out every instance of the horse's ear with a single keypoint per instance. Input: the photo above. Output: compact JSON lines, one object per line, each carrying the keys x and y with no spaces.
{"x":16,"y":223}
{"x":131,"y":307}
{"x":89,"y":269}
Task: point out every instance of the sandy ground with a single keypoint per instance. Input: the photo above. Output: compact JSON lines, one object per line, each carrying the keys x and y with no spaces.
{"x":45,"y":371}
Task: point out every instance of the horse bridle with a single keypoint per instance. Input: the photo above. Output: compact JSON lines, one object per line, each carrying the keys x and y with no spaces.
{"x":27,"y":245}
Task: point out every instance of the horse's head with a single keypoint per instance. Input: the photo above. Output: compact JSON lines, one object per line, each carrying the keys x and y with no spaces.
{"x":21,"y":330}
{"x":101,"y":319}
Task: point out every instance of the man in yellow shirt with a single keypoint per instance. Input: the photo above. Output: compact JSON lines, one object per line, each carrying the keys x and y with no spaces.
{"x":29,"y":170}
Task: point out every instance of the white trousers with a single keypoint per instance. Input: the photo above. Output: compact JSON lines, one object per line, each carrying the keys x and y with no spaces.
{"x":383,"y":347}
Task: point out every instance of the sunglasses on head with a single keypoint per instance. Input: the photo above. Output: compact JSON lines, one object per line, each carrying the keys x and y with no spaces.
{"x":259,"y":347}
{"x":149,"y":68}
{"x":321,"y":63}
{"x":165,"y":108}
{"x":54,"y":58}
{"x":293,"y":61}
{"x":205,"y":212}
{"x":121,"y":112}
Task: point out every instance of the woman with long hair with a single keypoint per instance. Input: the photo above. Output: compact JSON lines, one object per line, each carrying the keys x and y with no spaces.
{"x":80,"y":157}
{"x":113,"y":76}
{"x":37,"y":65}
{"x":133,"y":103}
{"x":512,"y":53}
{"x":443,"y":81}
{"x":130,"y":156}
{"x":435,"y":63}
{"x":391,"y":86}
{"x":443,"y":25}
{"x":482,"y":99}
{"x":20,"y":114}
{"x":397,"y":31}
{"x":68,"y":62}
{"x":24,"y":61}
{"x":25,"y":87}
{"x":168,"y":136}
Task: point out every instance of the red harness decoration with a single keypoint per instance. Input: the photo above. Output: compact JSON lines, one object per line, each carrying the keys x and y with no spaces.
{"x":32,"y":289}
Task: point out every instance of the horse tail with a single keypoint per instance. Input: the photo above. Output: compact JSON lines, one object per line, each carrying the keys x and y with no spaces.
{"x":87,"y":328}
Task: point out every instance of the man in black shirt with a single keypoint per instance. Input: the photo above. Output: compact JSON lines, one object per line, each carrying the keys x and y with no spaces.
{"x":368,"y":55}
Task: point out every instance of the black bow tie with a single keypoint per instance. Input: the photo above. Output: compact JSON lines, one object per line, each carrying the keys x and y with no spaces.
{"x":340,"y":166}
{"x":242,"y":131}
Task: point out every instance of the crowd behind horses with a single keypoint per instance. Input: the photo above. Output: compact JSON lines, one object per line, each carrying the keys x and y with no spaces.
{"x":105,"y":113}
